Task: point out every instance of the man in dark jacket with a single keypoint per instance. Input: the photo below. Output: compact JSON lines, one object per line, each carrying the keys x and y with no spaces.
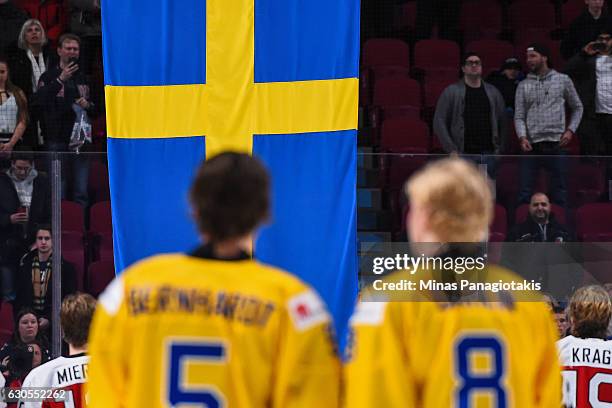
{"x":541,"y":225}
{"x":34,"y":281}
{"x":585,"y":28}
{"x":470,"y":115}
{"x":506,"y":81}
{"x":25,"y":201}
{"x":61,"y":91}
{"x":591,"y":70}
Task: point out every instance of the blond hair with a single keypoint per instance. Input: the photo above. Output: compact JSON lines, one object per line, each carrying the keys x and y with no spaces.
{"x":590,"y":310}
{"x":457,"y":197}
{"x":21,"y":41}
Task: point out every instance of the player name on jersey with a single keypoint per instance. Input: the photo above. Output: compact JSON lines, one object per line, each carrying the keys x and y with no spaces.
{"x":71,"y":374}
{"x":587,"y":355}
{"x":233,"y":306}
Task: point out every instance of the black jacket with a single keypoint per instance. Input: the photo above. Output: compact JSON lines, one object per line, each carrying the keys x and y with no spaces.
{"x":529,"y":231}
{"x":582,"y":31}
{"x":40,"y":209}
{"x":582,"y":68}
{"x":25,"y":291}
{"x":54,"y":102}
{"x":505,"y":86}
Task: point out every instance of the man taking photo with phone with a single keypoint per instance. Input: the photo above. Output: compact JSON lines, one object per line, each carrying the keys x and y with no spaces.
{"x":62,"y":92}
{"x":591,"y":70}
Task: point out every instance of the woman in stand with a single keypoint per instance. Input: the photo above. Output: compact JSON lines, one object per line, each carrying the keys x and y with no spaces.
{"x":13,"y":111}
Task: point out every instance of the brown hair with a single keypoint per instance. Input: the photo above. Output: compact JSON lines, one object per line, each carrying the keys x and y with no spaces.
{"x":68,"y":37}
{"x":457,"y":197}
{"x":590,"y":310}
{"x":20,"y":98}
{"x":230,"y":196}
{"x":76,"y":314}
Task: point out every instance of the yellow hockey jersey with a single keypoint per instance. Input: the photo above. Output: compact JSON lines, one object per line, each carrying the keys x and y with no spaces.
{"x":440,"y":355}
{"x":178,"y":330}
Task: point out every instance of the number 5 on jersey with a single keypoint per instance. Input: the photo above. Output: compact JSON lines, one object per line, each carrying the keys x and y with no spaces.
{"x":182,"y":353}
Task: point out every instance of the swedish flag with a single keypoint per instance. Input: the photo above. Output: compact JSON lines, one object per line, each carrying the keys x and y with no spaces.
{"x":186,"y":79}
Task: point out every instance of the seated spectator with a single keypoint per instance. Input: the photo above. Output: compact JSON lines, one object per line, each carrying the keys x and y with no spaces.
{"x":506,"y":81}
{"x":27,"y":332}
{"x":585,"y":28}
{"x":34,"y":288}
{"x":13,"y":110}
{"x":11,"y":20}
{"x":63,"y":99}
{"x":470,"y":115}
{"x":591,"y":70}
{"x":25,"y":202}
{"x":541,"y":225}
{"x":28,"y":60}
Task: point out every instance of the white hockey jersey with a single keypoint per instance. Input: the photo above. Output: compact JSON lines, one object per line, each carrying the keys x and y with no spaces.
{"x":63,"y":373}
{"x":2,"y":383}
{"x":587,"y":372}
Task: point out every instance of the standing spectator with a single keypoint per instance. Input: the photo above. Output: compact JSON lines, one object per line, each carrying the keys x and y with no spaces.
{"x":506,"y":81}
{"x":470,"y":115}
{"x":541,"y":225}
{"x":443,"y":13}
{"x":34,"y":288}
{"x":62,"y":92}
{"x":540,"y":123}
{"x":28,"y":60}
{"x":13,"y":110}
{"x":585,"y":28}
{"x":11,"y":20}
{"x":25,"y":202}
{"x":591,"y":70}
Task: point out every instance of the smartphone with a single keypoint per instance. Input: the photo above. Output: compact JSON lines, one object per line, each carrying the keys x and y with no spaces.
{"x":73,"y":61}
{"x":22,"y":210}
{"x":598,"y":46}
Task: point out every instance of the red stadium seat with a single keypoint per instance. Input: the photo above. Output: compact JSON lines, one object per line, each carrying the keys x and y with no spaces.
{"x":385,"y":51}
{"x":72,"y":216}
{"x":73,"y":251}
{"x":523,"y":211}
{"x":434,"y":55}
{"x":397,"y":97}
{"x":594,"y":222}
{"x":530,"y":14}
{"x":586,"y":183}
{"x":100,"y":220}
{"x":570,"y":11}
{"x":480,"y":20}
{"x":6,"y":322}
{"x":100,"y":273}
{"x":433,"y":90}
{"x":500,"y":224}
{"x":98,"y":182}
{"x":404,"y":135}
{"x":105,"y":252}
{"x":532,"y":35}
{"x":492,"y":52}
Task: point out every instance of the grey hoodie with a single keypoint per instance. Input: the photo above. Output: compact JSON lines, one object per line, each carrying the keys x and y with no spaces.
{"x":25,"y":187}
{"x":540,"y":107}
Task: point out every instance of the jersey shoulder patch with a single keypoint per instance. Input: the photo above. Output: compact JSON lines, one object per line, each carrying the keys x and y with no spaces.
{"x":307,"y":310}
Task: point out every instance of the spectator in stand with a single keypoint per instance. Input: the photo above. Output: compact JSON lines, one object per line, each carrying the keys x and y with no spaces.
{"x":62,"y":93}
{"x":11,"y":20}
{"x":585,"y":28}
{"x":506,"y":81}
{"x":541,"y":225}
{"x":28,"y":60}
{"x":25,"y":202}
{"x":13,"y":110}
{"x":443,"y":13}
{"x":540,"y":123}
{"x":27,"y":332}
{"x":591,"y":70}
{"x":34,"y":287}
{"x":470,"y":115}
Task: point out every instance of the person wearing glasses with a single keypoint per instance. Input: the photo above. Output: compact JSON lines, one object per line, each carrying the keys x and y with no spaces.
{"x":25,"y":201}
{"x":591,"y":70}
{"x":33,"y":283}
{"x":470,"y":115}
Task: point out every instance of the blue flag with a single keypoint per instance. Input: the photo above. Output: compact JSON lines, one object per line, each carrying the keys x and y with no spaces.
{"x":187,"y":79}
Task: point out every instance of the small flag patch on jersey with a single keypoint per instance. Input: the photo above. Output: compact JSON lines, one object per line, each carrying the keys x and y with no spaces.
{"x":307,"y":310}
{"x":369,"y":313}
